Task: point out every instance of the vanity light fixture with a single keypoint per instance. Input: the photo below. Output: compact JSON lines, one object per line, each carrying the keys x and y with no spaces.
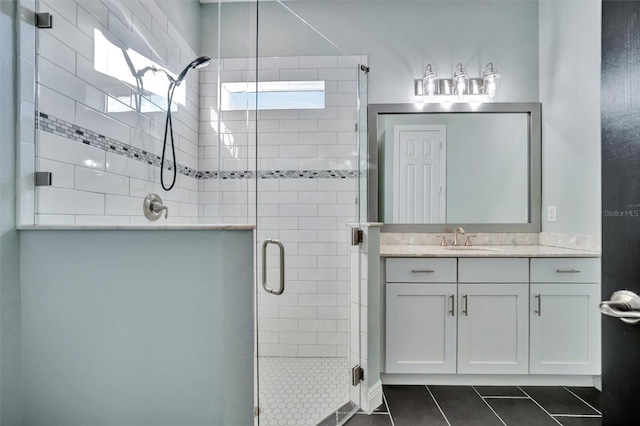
{"x":460,"y":85}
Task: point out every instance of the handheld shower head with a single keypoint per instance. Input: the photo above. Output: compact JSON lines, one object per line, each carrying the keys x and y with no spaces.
{"x":197,"y":63}
{"x":200,"y":62}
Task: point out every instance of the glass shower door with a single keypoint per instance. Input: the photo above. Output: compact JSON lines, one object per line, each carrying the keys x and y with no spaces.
{"x":306,"y":181}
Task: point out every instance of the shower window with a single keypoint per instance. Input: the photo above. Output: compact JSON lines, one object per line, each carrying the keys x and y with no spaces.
{"x":273,"y":95}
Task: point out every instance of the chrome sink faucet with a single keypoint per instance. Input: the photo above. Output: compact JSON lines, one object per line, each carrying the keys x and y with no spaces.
{"x":459,"y":231}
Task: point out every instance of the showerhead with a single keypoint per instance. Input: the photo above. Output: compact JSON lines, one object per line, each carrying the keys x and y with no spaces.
{"x":197,"y":63}
{"x":200,"y":62}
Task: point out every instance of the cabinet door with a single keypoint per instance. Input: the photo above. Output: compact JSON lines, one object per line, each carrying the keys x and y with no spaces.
{"x":565,"y":329}
{"x":421,"y":328}
{"x":493,"y":329}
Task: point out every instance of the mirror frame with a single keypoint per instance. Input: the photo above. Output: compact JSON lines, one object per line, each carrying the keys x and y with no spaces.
{"x":533,"y":109}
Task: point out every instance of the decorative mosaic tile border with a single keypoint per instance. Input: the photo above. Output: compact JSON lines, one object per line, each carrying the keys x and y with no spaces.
{"x":305,"y":174}
{"x":70,"y":131}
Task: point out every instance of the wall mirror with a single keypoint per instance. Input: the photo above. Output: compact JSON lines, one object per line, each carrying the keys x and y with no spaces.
{"x":434,"y":167}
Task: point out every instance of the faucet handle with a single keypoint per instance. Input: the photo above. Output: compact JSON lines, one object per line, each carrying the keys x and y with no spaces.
{"x":157,"y":207}
{"x":468,"y":240}
{"x":443,"y":242}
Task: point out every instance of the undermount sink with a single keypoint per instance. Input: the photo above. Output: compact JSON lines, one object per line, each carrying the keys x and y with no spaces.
{"x":472,"y":248}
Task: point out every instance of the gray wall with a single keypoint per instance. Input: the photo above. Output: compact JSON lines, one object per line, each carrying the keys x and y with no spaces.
{"x":185,"y":16}
{"x":137,"y":327}
{"x":570,"y":96}
{"x":547,"y":51}
{"x":400,"y":37}
{"x":10,"y":364}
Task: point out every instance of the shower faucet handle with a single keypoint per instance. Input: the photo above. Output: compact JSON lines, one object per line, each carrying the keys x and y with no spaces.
{"x":158,"y":207}
{"x":153,"y":207}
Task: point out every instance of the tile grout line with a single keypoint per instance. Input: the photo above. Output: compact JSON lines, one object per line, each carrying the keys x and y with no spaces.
{"x":384,"y":398}
{"x":591,"y":416}
{"x":502,"y":397}
{"x":541,"y":407}
{"x":490,"y":407}
{"x":437,"y":405}
{"x":589,"y":405}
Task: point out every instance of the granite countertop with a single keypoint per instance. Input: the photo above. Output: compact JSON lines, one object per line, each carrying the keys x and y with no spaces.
{"x":199,"y":227}
{"x":415,"y":250}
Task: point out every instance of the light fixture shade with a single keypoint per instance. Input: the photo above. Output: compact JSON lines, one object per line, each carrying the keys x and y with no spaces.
{"x":490,"y":78}
{"x":445,"y":86}
{"x":418,"y":87}
{"x":475,"y":86}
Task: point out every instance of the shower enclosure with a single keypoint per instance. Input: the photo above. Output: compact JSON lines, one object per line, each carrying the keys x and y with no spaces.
{"x":271,"y":134}
{"x":289,"y":121}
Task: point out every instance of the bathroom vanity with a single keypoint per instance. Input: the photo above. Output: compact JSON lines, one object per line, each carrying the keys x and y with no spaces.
{"x":520,"y":306}
{"x":491,"y":310}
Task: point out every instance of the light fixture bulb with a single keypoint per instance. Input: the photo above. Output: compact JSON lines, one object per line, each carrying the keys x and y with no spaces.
{"x":429,"y":81}
{"x":459,"y":87}
{"x":491,"y":89}
{"x":490,"y":77}
{"x":460,"y":78}
{"x":430,"y":88}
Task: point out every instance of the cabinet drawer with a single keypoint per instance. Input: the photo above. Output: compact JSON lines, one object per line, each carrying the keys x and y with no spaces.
{"x":565,"y":270}
{"x":416,"y":270}
{"x":511,"y":270}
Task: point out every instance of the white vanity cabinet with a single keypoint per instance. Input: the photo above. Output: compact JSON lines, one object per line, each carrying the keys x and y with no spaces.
{"x":421,"y":299}
{"x":493,"y":315}
{"x":565,"y":320}
{"x":493,"y":321}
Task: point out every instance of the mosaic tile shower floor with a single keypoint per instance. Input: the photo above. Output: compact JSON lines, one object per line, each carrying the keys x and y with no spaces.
{"x":301,"y":391}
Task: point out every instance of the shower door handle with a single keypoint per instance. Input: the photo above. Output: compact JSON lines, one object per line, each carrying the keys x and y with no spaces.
{"x":264,"y":266}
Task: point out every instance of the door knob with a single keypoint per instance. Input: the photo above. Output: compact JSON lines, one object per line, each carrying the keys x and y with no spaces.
{"x":624,"y":304}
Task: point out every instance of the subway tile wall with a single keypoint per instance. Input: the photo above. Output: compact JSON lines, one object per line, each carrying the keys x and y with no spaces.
{"x":307,"y":189}
{"x":99,"y":136}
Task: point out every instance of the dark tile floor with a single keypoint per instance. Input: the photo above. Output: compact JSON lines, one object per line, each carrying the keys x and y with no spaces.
{"x":484,"y":406}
